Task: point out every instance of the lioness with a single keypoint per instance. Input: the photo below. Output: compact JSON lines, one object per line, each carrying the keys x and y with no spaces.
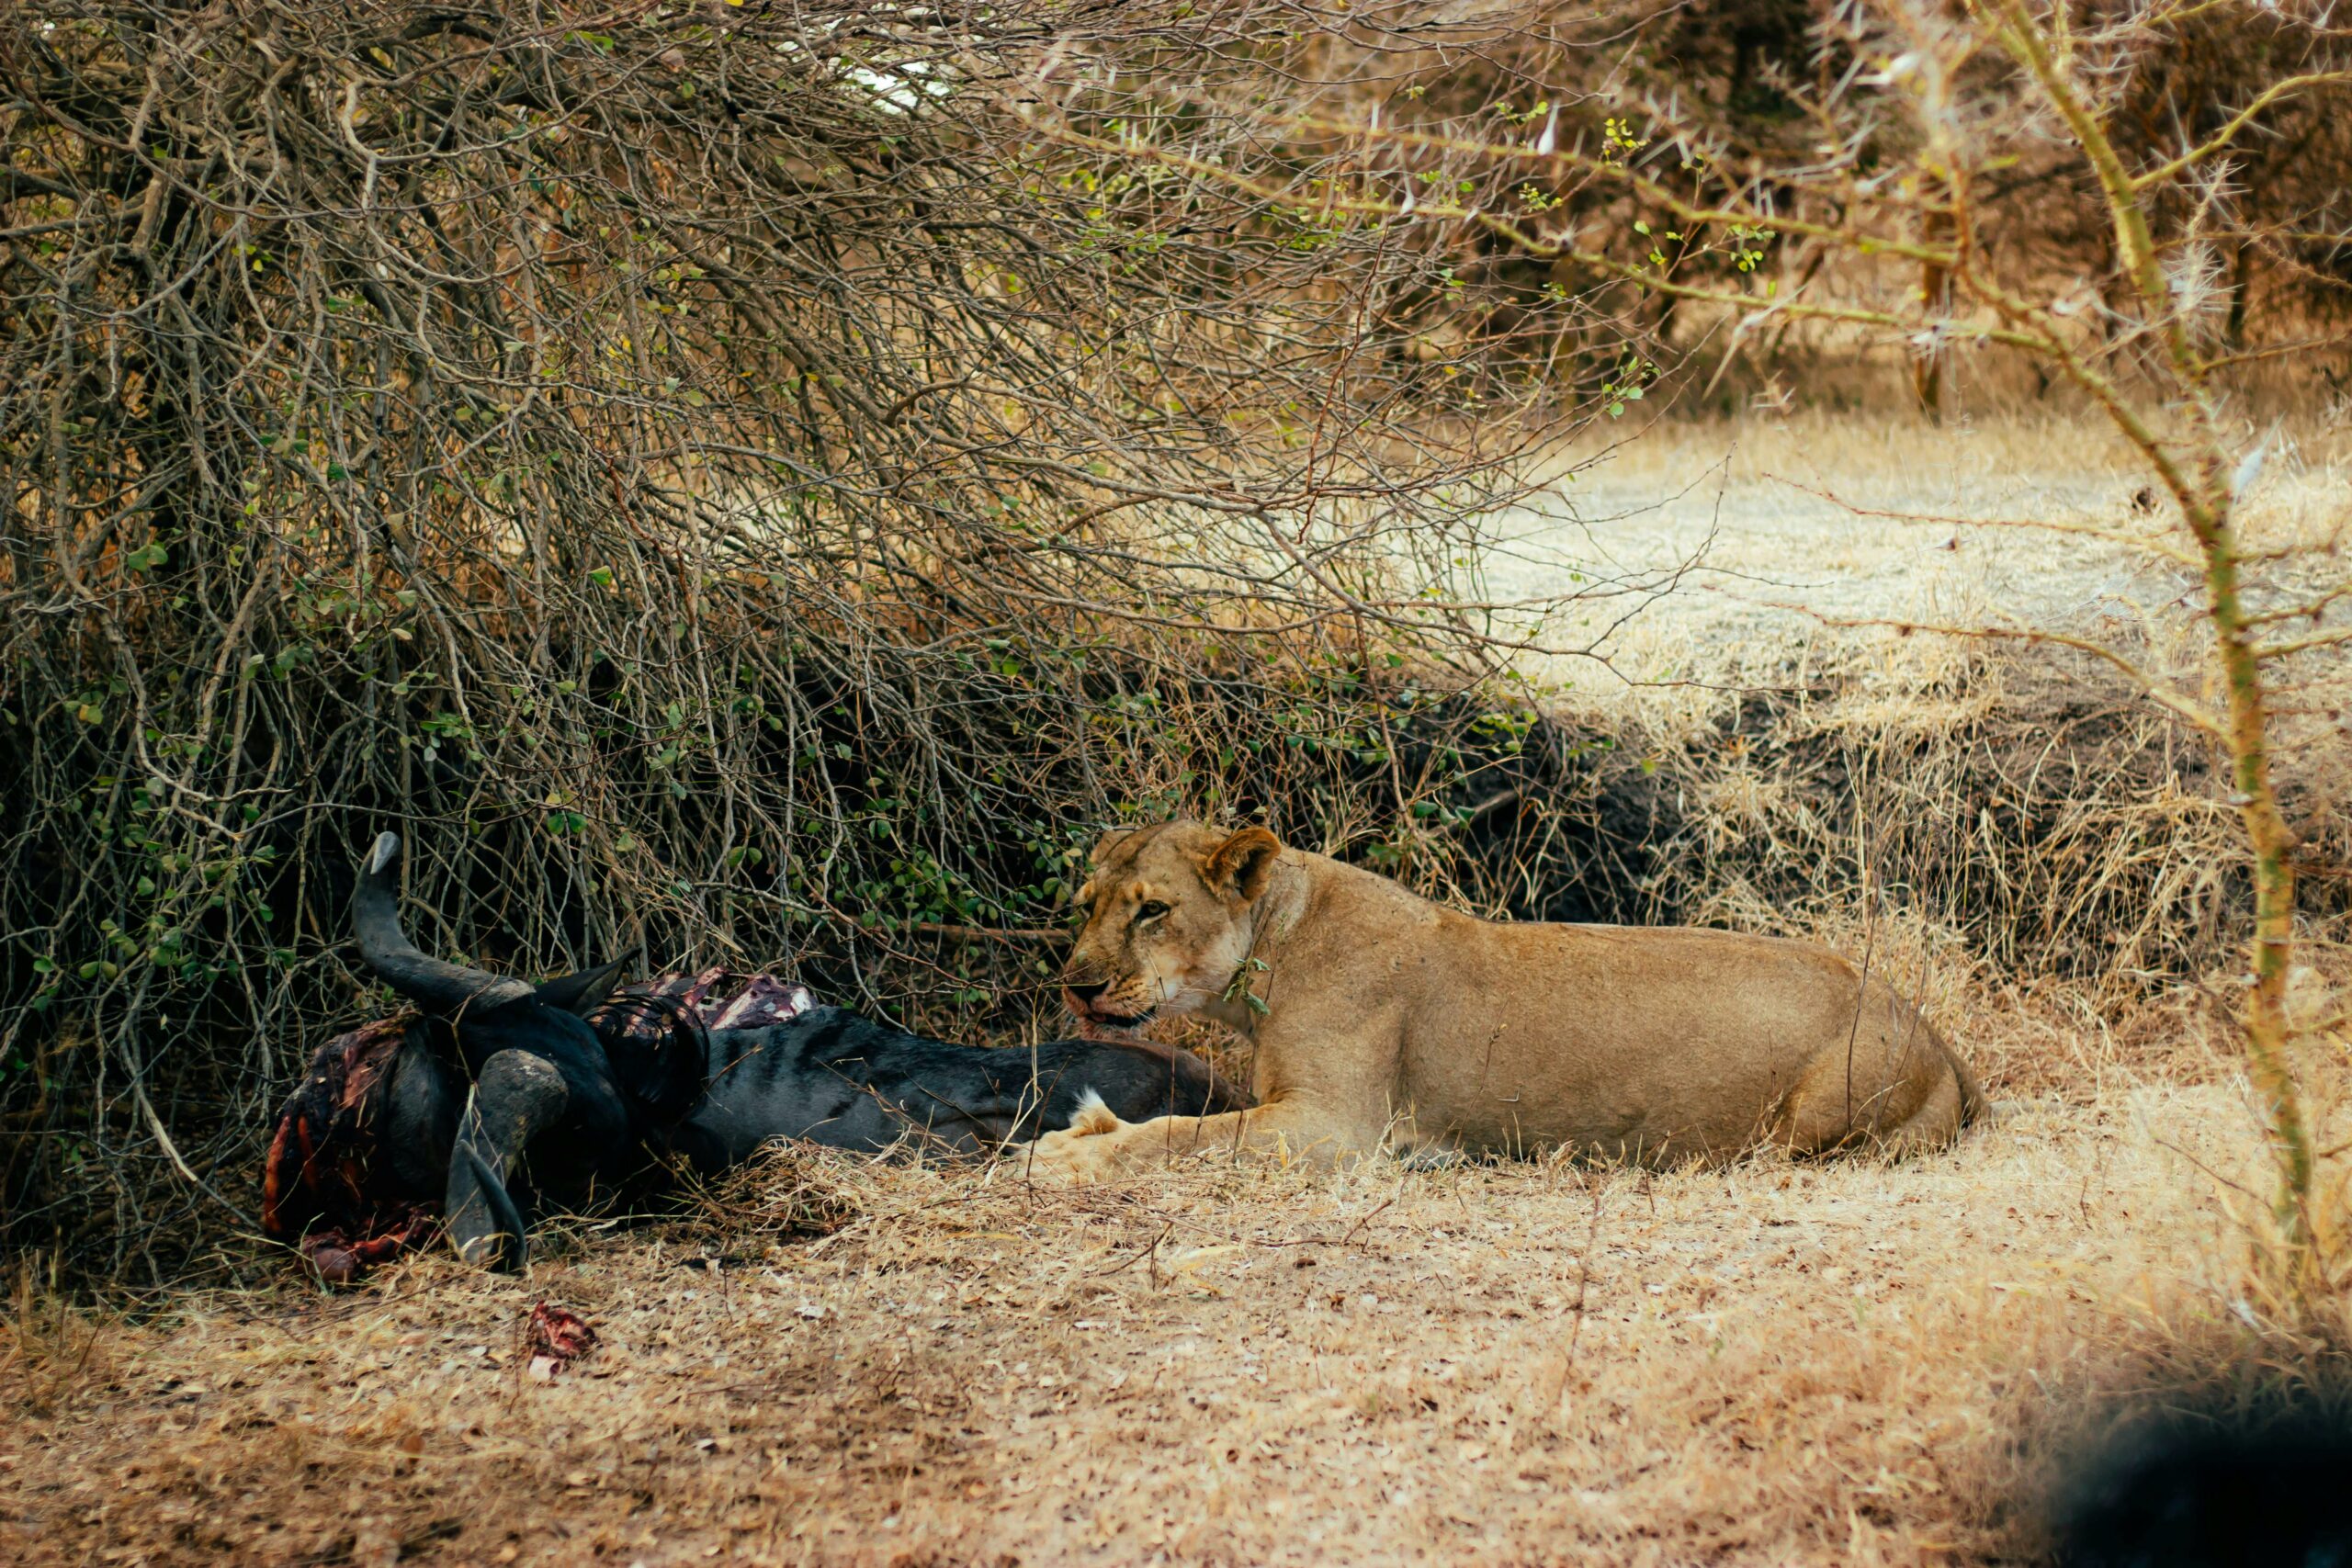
{"x":1379,"y":1016}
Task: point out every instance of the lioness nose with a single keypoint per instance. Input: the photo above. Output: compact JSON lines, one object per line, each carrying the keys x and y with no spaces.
{"x":1087,"y":993}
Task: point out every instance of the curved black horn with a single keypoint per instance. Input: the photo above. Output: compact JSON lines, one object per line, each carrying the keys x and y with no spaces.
{"x":580,"y":994}
{"x":444,"y":988}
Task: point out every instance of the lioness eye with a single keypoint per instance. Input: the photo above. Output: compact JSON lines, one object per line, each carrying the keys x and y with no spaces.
{"x":1150,"y":910}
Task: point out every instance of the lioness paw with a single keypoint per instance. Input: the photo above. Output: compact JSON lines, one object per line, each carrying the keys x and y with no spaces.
{"x":1074,"y":1156}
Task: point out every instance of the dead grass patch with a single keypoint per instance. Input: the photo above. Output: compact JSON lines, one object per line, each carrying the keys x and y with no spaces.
{"x":1844,"y":1363}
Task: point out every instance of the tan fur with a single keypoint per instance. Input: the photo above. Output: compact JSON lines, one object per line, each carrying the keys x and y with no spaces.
{"x":1382,"y":1017}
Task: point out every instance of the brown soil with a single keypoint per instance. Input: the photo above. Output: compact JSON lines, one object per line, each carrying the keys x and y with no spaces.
{"x":1843,"y":1362}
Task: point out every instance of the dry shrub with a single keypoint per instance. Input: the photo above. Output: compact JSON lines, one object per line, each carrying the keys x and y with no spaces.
{"x":2036,"y":811}
{"x":1720,"y":100}
{"x":713,"y":474}
{"x":2027,"y":814}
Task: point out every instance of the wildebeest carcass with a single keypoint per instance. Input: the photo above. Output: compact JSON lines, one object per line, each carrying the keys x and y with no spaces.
{"x":496,"y":1094}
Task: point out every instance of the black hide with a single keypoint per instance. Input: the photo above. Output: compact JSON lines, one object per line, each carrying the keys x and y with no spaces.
{"x":835,"y":1077}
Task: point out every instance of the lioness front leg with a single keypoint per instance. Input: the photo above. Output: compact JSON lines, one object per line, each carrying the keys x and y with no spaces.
{"x":1098,"y":1146}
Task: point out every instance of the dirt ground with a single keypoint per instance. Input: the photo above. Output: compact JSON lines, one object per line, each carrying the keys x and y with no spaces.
{"x":1841,"y":1362}
{"x":1724,"y":553}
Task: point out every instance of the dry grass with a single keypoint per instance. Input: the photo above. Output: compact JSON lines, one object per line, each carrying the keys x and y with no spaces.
{"x":1770,"y":527}
{"x":1844,"y":1362}
{"x":2027,"y":796}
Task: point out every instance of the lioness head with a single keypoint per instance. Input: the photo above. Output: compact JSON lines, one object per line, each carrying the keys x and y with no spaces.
{"x":1167,"y":921}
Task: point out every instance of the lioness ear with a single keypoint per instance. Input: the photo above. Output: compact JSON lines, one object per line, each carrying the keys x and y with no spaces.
{"x":1243,"y":862}
{"x":1107,"y":842}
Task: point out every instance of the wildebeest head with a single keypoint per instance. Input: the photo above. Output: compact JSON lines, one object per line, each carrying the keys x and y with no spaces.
{"x":544,"y":1093}
{"x":494,"y":1011}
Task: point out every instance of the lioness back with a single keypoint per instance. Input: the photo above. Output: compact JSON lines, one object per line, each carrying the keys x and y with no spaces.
{"x":1651,"y":1042}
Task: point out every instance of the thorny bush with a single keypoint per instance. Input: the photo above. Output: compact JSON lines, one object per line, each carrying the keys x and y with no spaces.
{"x":707,"y":471}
